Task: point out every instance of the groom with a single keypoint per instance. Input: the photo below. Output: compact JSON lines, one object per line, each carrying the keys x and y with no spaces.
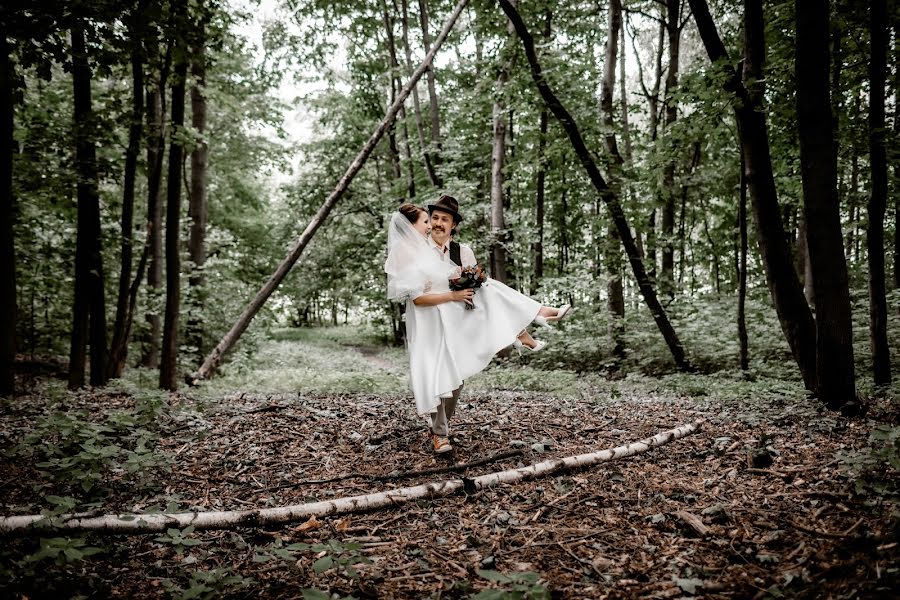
{"x":445,"y":217}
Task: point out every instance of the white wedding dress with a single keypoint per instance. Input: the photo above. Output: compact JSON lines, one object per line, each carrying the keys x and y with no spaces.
{"x":448,"y":343}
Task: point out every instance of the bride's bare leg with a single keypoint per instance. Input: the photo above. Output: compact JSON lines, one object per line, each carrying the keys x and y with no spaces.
{"x":526,"y":339}
{"x":546,"y":311}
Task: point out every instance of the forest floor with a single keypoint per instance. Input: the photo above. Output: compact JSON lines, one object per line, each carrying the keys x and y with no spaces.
{"x":774,"y":497}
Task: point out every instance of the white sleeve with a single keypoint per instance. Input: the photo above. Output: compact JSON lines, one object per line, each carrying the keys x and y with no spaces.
{"x":466,"y":256}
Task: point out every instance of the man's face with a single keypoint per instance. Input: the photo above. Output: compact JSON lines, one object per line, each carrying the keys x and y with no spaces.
{"x":441,"y":225}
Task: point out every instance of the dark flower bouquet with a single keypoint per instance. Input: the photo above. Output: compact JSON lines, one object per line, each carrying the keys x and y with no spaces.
{"x":470,"y":278}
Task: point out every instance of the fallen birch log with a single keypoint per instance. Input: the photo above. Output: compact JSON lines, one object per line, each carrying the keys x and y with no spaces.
{"x":151,"y":523}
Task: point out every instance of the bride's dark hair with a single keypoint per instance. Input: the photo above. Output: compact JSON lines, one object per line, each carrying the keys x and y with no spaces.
{"x":411,"y":212}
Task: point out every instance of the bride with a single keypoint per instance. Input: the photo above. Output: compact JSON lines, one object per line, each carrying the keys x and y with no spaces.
{"x":446,"y":342}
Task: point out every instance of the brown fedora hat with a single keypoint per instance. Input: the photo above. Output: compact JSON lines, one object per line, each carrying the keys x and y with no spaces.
{"x":447,"y":204}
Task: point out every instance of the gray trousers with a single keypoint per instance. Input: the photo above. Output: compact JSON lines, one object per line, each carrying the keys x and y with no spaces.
{"x":440,"y":419}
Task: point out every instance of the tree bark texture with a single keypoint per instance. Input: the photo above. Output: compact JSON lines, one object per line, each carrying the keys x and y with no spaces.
{"x":156,"y":147}
{"x":743,"y":341}
{"x":433,"y":108}
{"x":150,"y":523}
{"x":197,"y":207}
{"x":417,"y":105}
{"x":667,"y":270}
{"x":394,"y":69}
{"x":881,"y":363}
{"x":615,"y":295}
{"x":836,"y":383}
{"x":499,"y":233}
{"x":537,"y":246}
{"x":122,"y":327}
{"x":895,"y":191}
{"x":606,"y":193}
{"x":168,"y":367}
{"x":7,"y":218}
{"x":784,"y":286}
{"x":89,"y":310}
{"x":218,"y":353}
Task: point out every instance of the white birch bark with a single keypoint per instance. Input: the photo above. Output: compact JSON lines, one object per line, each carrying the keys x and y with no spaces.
{"x":150,"y":523}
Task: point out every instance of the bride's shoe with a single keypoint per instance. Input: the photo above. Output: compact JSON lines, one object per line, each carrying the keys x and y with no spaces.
{"x":538,"y":346}
{"x":561,"y":313}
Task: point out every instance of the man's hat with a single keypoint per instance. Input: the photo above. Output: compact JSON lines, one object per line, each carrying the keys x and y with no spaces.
{"x":447,"y":204}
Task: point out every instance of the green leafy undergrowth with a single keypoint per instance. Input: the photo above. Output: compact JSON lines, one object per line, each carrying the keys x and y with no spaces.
{"x":515,"y":586}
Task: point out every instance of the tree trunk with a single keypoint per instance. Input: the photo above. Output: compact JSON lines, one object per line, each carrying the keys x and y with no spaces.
{"x":615,"y":299}
{"x":420,"y":126}
{"x":197,"y":207}
{"x":7,"y":218}
{"x":896,"y":187}
{"x":744,"y":355}
{"x":435,"y":149}
{"x":623,"y":96}
{"x":168,"y":367}
{"x":537,"y":247}
{"x":836,"y":383}
{"x":89,"y":310}
{"x":881,"y":363}
{"x":394,"y":67}
{"x":218,"y":353}
{"x":156,"y":522}
{"x":156,"y":146}
{"x":667,"y":271}
{"x":122,"y":327}
{"x":606,"y":193}
{"x":787,"y":293}
{"x":499,"y":234}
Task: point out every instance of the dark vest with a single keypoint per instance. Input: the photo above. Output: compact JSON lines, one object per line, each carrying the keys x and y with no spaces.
{"x":454,"y":254}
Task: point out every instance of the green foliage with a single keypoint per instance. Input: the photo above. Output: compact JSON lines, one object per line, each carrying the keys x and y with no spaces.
{"x":343,"y":557}
{"x":61,"y":550}
{"x":876,"y":469}
{"x":205,"y":585}
{"x":517,"y":586}
{"x":178,"y":538}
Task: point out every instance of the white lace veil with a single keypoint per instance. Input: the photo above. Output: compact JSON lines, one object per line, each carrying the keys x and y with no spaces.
{"x":412,"y":265}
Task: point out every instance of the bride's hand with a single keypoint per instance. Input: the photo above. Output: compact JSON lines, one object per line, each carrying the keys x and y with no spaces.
{"x":463,"y":296}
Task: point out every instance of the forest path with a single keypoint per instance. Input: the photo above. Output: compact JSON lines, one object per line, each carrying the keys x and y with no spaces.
{"x":692,"y":517}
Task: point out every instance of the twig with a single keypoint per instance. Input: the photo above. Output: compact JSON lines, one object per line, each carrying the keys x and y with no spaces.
{"x":828,"y":534}
{"x":449,"y":468}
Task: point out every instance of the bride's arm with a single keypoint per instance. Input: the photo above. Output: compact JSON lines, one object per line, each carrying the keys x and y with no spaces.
{"x":435,"y":299}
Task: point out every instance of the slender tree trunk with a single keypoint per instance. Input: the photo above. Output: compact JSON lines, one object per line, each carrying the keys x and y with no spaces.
{"x":197,"y":208}
{"x":435,"y":150}
{"x":743,"y":341}
{"x":168,"y":367}
{"x":395,"y":86}
{"x":896,"y":187}
{"x":420,"y":126}
{"x":804,"y":265}
{"x":834,"y":340}
{"x":540,"y":184}
{"x":606,"y":193}
{"x":122,"y":327}
{"x":218,"y":353}
{"x":89,"y":311}
{"x":615,"y":299}
{"x":881,"y":363}
{"x":7,"y":218}
{"x":853,"y":195}
{"x":667,"y":272}
{"x":499,"y":234}
{"x":623,"y":96}
{"x":156,"y":146}
{"x":787,"y":293}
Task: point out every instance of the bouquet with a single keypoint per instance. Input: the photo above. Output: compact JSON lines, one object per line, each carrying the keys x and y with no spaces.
{"x":470,"y":278}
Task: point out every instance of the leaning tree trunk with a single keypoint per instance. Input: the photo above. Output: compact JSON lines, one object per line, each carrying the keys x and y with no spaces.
{"x":7,"y":248}
{"x":615,"y":297}
{"x":667,"y":270}
{"x":606,"y":193}
{"x":881,"y":363}
{"x":197,"y":208}
{"x":168,"y":376}
{"x":417,"y":105}
{"x":89,"y":310}
{"x":122,"y":326}
{"x":433,"y":109}
{"x":784,"y":286}
{"x":215,"y":357}
{"x":836,"y":383}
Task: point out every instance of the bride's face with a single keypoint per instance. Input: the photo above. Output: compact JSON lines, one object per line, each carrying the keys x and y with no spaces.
{"x":423,"y":225}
